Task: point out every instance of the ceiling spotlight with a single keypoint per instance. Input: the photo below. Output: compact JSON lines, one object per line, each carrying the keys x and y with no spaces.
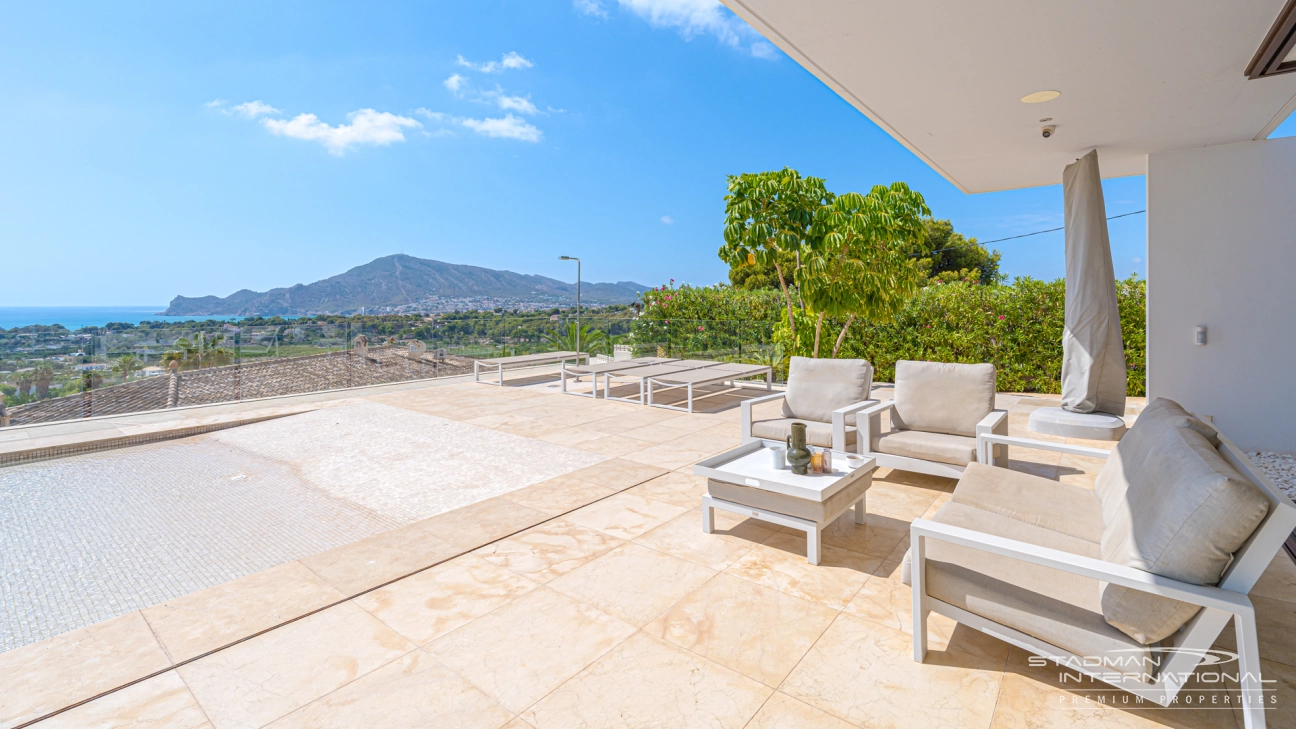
{"x":1040,"y":97}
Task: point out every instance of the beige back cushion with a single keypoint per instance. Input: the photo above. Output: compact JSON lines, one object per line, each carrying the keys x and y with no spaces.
{"x":816,"y":387}
{"x":1131,"y":453}
{"x":939,"y":397}
{"x":1183,"y":515}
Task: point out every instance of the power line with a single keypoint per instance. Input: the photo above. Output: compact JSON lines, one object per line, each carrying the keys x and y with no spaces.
{"x":1015,"y":237}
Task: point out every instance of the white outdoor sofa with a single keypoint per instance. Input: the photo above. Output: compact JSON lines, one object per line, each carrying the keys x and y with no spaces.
{"x":730,"y":372}
{"x":1130,"y":583}
{"x":938,"y":411}
{"x":499,"y":364}
{"x":825,"y":394}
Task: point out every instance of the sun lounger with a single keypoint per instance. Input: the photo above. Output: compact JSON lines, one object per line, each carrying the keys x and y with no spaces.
{"x":523,"y":360}
{"x":720,"y":373}
{"x":641,"y":375}
{"x":576,"y":372}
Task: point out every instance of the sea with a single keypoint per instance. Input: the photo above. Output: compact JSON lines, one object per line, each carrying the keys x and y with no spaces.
{"x":75,"y":317}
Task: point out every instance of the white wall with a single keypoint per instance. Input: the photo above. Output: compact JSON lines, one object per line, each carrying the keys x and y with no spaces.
{"x":1222,"y":254}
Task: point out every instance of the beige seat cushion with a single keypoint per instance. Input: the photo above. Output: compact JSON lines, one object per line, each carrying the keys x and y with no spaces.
{"x":1057,"y":607}
{"x":817,"y":387}
{"x":1183,"y":515}
{"x":815,"y":511}
{"x":939,"y":397}
{"x":1071,"y":510}
{"x":954,"y":449}
{"x":817,"y":434}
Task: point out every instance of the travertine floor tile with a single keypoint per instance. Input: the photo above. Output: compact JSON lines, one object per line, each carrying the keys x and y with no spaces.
{"x":412,"y":692}
{"x":877,"y":537}
{"x":426,"y":606}
{"x":1274,"y":621}
{"x":784,"y":712}
{"x":669,"y":456}
{"x":558,"y":495}
{"x":674,"y":488}
{"x":889,"y":602}
{"x":255,"y":682}
{"x":618,"y":474}
{"x":633,"y":583}
{"x":527,"y":648}
{"x":780,"y":563}
{"x":612,"y":445}
{"x":359,"y":566}
{"x":647,"y":683}
{"x":865,"y":673}
{"x":161,"y":702}
{"x":899,"y":501}
{"x":754,"y":630}
{"x":683,"y":537}
{"x":1034,"y":696}
{"x":625,"y":515}
{"x":1280,"y":702}
{"x":1278,"y":581}
{"x":656,"y":433}
{"x":550,"y":550}
{"x":709,"y":443}
{"x":482,"y":522}
{"x":571,"y":436}
{"x":47,"y":676}
{"x":208,"y":619}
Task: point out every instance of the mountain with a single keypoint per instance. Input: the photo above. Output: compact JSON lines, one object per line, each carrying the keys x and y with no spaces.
{"x":401,"y":280}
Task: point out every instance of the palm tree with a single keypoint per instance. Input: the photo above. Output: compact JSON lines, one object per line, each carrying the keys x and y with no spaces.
{"x":592,"y":341}
{"x":41,"y":377}
{"x":127,"y":365}
{"x":199,"y":351}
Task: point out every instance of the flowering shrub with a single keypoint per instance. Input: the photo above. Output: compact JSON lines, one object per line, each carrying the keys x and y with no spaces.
{"x":1017,"y":327}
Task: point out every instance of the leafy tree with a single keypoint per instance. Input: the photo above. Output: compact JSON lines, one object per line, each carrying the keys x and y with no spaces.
{"x":950,"y":257}
{"x":757,"y":276}
{"x":768,"y":214}
{"x":127,"y":365}
{"x":199,"y":352}
{"x":862,"y":263}
{"x":41,"y":378}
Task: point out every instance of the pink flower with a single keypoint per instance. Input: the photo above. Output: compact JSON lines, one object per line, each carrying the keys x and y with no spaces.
{"x":1001,"y":317}
{"x":699,"y":329}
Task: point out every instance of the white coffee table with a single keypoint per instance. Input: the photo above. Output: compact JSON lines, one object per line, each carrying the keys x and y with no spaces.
{"x":750,"y":486}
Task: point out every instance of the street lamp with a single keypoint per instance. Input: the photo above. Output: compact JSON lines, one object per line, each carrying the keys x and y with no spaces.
{"x":578,"y":303}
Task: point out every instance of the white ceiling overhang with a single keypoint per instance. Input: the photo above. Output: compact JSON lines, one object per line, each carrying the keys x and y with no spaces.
{"x":946,"y":78}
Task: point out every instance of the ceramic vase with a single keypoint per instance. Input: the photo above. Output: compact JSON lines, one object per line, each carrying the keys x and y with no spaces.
{"x":798,"y":456}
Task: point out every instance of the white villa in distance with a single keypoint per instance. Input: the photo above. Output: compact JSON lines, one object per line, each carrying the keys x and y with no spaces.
{"x":1185,"y":92}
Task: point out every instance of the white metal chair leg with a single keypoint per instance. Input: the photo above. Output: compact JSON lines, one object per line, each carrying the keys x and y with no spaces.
{"x":1248,"y":647}
{"x":476,"y":371}
{"x":917,"y":568}
{"x":859,"y":511}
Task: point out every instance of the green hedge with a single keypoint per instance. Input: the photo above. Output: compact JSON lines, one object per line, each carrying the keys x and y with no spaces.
{"x":1017,"y":327}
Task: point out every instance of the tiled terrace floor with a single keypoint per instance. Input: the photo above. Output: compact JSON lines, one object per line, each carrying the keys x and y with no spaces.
{"x":590,"y":600}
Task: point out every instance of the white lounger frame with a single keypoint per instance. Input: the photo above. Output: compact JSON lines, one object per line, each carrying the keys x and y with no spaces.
{"x":870,"y":422}
{"x":643,"y":381}
{"x":575,"y":377}
{"x":1228,"y":601}
{"x":838,"y":422}
{"x":721,"y":376}
{"x":523,"y":360}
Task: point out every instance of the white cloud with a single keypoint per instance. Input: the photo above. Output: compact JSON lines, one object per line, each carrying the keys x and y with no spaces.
{"x":365,"y":126}
{"x":456,"y":83}
{"x":510,"y":127}
{"x":691,"y":18}
{"x":590,"y":7}
{"x":516,"y":103}
{"x":215,"y":103}
{"x":1138,"y":259}
{"x":254,"y":109}
{"x":510,"y":60}
{"x":433,"y":115}
{"x":668,"y":220}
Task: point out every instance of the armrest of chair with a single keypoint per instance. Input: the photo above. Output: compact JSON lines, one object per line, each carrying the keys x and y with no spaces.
{"x":1203,"y":595}
{"x":869,"y":421}
{"x":746,"y":409}
{"x":986,"y":440}
{"x":995,"y":423}
{"x":839,"y":425}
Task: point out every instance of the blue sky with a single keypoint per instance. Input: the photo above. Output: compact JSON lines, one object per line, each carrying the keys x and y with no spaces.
{"x":153,"y":148}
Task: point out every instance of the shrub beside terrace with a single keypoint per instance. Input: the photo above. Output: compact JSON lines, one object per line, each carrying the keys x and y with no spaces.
{"x":1017,"y":327}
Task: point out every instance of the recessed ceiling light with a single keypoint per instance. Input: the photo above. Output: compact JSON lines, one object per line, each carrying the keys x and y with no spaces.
{"x":1040,"y":96}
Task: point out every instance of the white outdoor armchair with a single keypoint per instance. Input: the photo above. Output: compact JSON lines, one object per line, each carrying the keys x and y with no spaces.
{"x":1130,"y":583}
{"x":825,"y":394}
{"x":938,"y":411}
